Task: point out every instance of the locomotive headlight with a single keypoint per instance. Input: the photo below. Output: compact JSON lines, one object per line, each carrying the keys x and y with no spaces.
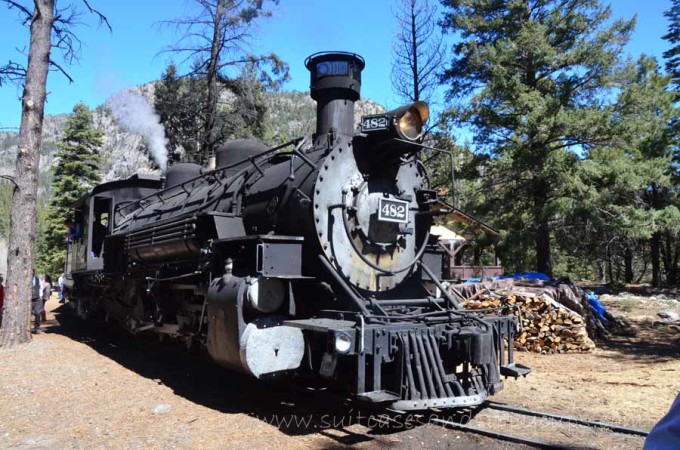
{"x":343,"y":342}
{"x":266,"y":295}
{"x":404,"y":123}
{"x":410,"y":123}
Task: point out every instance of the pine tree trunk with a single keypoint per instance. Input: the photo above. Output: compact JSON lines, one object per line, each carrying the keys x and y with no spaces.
{"x":210,"y":133}
{"x":655,"y":247}
{"x":542,"y":237}
{"x":543,"y":263}
{"x":674,"y":251}
{"x":414,"y":50}
{"x":23,"y":226}
{"x":667,"y":258}
{"x":628,"y":261}
{"x":664,"y":256}
{"x":601,"y":271}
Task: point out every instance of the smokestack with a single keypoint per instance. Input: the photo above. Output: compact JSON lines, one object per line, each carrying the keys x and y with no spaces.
{"x":335,"y":85}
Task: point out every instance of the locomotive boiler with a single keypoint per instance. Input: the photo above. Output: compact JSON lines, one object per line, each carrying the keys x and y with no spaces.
{"x":311,"y":260}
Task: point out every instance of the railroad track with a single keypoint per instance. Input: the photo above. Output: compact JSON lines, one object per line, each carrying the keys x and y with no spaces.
{"x":532,"y":413}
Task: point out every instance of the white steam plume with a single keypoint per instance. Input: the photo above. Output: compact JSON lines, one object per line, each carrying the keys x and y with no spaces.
{"x":134,"y":114}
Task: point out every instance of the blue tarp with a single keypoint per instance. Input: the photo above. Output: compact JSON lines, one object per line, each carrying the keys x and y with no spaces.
{"x":525,"y":275}
{"x":528,"y":276}
{"x":477,"y":280}
{"x":597,"y":307}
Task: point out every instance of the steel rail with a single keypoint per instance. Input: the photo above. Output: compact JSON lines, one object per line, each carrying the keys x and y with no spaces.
{"x":501,"y":436}
{"x":570,"y":419}
{"x":529,"y":412}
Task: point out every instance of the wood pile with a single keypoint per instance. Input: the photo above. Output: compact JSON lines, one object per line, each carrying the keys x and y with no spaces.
{"x":547,"y":326}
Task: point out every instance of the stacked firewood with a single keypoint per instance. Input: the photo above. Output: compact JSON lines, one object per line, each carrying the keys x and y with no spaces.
{"x":547,"y":326}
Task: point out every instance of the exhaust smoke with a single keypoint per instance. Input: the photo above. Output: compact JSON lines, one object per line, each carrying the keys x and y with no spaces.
{"x":134,"y":114}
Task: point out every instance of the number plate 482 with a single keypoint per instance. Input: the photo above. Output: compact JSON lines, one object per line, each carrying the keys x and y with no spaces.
{"x":373,"y":123}
{"x":390,"y":210}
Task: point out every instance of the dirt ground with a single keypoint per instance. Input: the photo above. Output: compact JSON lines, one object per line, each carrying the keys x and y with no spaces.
{"x":86,"y":386}
{"x":628,"y":380}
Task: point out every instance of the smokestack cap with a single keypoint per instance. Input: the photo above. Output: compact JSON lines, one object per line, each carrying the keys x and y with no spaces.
{"x":337,"y":72}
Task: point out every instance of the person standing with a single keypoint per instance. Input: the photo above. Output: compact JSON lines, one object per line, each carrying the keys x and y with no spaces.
{"x":60,"y":282}
{"x":75,"y":231}
{"x":2,"y":297}
{"x":45,"y":293}
{"x":43,"y":314}
{"x":36,"y":303}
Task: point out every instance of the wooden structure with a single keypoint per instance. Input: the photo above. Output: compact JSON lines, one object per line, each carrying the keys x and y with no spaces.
{"x":453,"y":244}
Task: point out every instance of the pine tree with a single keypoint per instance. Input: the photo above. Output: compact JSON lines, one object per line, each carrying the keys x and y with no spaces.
{"x":246,"y":116}
{"x":180,"y":103}
{"x":167,"y":103}
{"x":672,"y":55}
{"x":75,"y":173}
{"x":217,"y":37}
{"x":622,"y":207}
{"x":669,"y":250}
{"x":531,"y":78}
{"x":654,"y":119}
{"x":50,"y":29}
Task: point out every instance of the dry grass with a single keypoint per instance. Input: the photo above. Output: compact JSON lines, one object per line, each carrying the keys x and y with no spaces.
{"x":85,"y":387}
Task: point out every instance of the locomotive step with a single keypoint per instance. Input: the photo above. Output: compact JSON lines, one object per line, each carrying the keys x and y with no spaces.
{"x":515,"y":370}
{"x":379,"y":397}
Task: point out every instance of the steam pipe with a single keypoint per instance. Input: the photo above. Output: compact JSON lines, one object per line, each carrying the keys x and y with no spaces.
{"x":357,"y":301}
{"x":438,"y":283}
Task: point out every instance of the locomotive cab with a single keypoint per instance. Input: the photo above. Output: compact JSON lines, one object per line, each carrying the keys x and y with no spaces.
{"x":97,"y":213}
{"x":92,"y":216}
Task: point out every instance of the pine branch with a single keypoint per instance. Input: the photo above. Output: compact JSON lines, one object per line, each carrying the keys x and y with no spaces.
{"x":64,"y":39}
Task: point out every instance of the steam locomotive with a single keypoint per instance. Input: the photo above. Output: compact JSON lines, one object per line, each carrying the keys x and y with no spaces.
{"x":307,"y":260}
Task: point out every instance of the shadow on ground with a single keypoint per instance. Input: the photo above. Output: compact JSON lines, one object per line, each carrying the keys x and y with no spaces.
{"x":653,"y":342}
{"x":294,"y":410}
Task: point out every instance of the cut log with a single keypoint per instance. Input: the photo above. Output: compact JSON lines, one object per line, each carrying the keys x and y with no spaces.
{"x":548,"y":327}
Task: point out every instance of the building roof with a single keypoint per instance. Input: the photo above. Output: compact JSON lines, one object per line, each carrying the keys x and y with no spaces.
{"x":445,"y":234}
{"x":468,"y":221}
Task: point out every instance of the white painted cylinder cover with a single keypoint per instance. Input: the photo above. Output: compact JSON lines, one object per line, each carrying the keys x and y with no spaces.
{"x":269,"y":349}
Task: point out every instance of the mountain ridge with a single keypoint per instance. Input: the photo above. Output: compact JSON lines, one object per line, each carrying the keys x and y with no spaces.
{"x":291,"y":114}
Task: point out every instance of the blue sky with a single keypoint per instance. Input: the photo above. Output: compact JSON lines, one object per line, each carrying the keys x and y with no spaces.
{"x":128,"y":56}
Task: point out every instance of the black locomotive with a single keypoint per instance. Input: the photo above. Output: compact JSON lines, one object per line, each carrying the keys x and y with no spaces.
{"x":310,"y":260}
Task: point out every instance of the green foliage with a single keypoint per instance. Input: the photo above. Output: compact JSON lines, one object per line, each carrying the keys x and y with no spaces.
{"x":626,"y":188}
{"x":532,"y":80}
{"x":180,"y":103}
{"x":167,"y":104}
{"x":672,"y":55}
{"x":75,"y":173}
{"x":246,"y":116}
